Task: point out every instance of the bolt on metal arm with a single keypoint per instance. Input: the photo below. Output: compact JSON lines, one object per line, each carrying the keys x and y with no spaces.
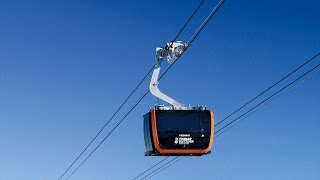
{"x":172,"y":51}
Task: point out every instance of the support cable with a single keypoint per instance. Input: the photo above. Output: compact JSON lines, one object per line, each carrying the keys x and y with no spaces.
{"x":185,"y":25}
{"x":205,"y":22}
{"x":196,"y":33}
{"x":274,"y":94}
{"x":111,"y":131}
{"x":269,"y":88}
{"x":178,"y":159}
{"x":105,"y":125}
{"x":150,"y":168}
{"x":144,"y":177}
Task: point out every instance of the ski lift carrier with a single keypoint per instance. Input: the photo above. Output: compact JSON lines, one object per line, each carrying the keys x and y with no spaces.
{"x":176,"y":130}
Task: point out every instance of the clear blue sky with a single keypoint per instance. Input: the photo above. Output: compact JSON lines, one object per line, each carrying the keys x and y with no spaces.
{"x":65,"y":67}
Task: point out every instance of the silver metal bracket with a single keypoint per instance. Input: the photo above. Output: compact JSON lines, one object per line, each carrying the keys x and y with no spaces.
{"x":172,"y":52}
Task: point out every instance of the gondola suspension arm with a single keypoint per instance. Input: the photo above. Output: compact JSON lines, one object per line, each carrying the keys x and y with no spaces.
{"x":172,"y":51}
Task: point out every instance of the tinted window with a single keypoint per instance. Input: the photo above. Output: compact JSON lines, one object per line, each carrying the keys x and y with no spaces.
{"x":183,"y":120}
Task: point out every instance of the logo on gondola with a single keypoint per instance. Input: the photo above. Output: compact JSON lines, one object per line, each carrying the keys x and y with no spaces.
{"x":183,"y":139}
{"x":176,"y":140}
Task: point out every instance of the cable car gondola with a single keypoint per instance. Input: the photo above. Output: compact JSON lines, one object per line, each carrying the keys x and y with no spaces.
{"x":176,"y":130}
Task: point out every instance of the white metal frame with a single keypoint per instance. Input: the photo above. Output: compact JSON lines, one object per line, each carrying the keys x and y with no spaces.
{"x":172,"y":52}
